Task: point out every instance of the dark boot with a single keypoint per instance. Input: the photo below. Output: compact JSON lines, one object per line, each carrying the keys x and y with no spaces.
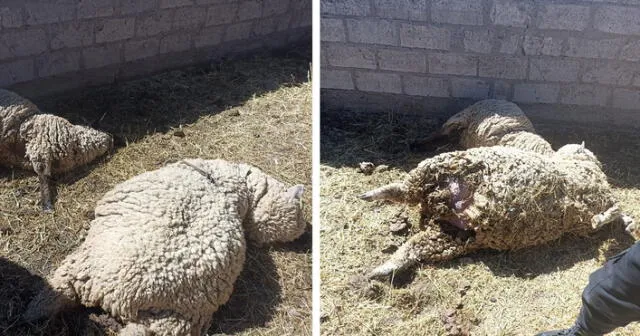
{"x":574,"y":331}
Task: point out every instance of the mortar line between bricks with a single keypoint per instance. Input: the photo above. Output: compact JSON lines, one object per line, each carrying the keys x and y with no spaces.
{"x":74,"y":54}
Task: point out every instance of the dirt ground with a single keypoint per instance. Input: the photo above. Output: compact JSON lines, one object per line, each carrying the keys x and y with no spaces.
{"x":487,"y":293}
{"x":255,"y":110}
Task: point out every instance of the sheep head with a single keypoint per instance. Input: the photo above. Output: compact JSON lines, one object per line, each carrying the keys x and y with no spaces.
{"x":276,"y":211}
{"x":92,"y":143}
{"x":577,"y":152}
{"x":47,"y":303}
{"x":53,"y":140}
{"x":456,"y":123}
{"x":632,"y":227}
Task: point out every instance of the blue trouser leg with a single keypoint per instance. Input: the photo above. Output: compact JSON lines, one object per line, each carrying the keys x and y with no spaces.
{"x":612,"y":297}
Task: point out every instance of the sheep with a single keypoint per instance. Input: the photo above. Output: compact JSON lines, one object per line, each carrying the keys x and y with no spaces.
{"x":166,"y":246}
{"x":500,"y":198}
{"x":45,"y":143}
{"x":493,"y":122}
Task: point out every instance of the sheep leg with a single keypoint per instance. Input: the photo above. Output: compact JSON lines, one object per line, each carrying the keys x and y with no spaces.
{"x":393,"y":192}
{"x":135,"y":329}
{"x":613,"y":214}
{"x":56,"y":296}
{"x":606,"y":217}
{"x":163,"y":324}
{"x":429,"y":245}
{"x":43,"y":169}
{"x":609,"y":216}
{"x":434,"y":139}
{"x":46,"y":194}
{"x":631,"y":227}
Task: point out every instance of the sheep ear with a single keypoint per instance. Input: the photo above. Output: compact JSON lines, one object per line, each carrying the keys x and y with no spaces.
{"x":393,"y":192}
{"x":295,"y":192}
{"x":582,"y":144}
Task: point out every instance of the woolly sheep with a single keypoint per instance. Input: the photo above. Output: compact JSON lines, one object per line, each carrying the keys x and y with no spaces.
{"x":494,"y":122}
{"x":166,"y":246}
{"x":498,"y":198}
{"x":45,"y":143}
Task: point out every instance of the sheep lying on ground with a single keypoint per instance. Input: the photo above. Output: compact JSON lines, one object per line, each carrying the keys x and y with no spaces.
{"x":493,"y":122}
{"x":499,"y":198}
{"x":166,"y":246}
{"x":45,"y":143}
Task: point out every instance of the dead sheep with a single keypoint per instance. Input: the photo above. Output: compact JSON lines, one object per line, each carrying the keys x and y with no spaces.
{"x":499,"y":198}
{"x":166,"y":246}
{"x":45,"y":143}
{"x":493,"y":122}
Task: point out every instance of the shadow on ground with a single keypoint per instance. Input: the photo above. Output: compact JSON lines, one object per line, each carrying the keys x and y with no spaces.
{"x":17,"y":287}
{"x":616,"y":149}
{"x":398,"y":141}
{"x":256,"y":294}
{"x":557,"y":255}
{"x":350,"y":138}
{"x":134,"y":109}
{"x":531,"y":262}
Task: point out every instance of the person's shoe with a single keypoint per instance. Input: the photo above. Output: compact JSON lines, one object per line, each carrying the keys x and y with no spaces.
{"x":564,"y":332}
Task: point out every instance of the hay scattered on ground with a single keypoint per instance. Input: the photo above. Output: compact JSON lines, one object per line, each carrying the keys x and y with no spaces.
{"x":486,"y":293}
{"x":256,"y":110}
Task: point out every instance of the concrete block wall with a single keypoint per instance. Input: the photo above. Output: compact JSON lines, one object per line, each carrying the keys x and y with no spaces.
{"x":564,"y":52}
{"x":68,"y":43}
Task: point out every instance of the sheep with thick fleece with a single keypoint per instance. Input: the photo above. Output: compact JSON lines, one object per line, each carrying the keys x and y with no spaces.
{"x":45,"y":143}
{"x":166,"y":246}
{"x":494,"y":122}
{"x":499,"y":198}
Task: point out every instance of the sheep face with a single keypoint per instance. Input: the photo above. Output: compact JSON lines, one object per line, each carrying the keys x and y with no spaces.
{"x":41,"y":306}
{"x":92,"y":144}
{"x":277,"y":216}
{"x":54,"y":140}
{"x":632,"y":228}
{"x":577,"y":152}
{"x":456,"y":123}
{"x":45,"y":304}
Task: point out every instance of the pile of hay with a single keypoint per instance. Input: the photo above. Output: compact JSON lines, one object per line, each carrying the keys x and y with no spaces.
{"x":485,"y":293}
{"x":255,"y":110}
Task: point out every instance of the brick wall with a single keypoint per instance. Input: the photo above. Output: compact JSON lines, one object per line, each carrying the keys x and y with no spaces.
{"x":569,"y":52}
{"x":50,"y":46}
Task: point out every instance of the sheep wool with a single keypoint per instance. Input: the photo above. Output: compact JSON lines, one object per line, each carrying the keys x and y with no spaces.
{"x":166,"y":246}
{"x":45,"y":143}
{"x":495,"y":122}
{"x":499,"y":198}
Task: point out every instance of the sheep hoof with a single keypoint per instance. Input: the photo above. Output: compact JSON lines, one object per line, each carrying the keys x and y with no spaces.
{"x":377,"y":276}
{"x":606,"y":217}
{"x":382,"y":272}
{"x":631,"y":227}
{"x":368,"y":196}
{"x":134,"y":329}
{"x":47,"y":208}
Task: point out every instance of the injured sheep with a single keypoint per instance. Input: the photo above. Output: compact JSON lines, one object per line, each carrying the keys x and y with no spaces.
{"x":499,"y":198}
{"x":166,"y":246}
{"x":45,"y":143}
{"x":493,"y":122}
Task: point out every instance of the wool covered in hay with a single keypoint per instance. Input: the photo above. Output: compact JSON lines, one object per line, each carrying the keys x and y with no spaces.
{"x":494,"y":122}
{"x":499,"y":198}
